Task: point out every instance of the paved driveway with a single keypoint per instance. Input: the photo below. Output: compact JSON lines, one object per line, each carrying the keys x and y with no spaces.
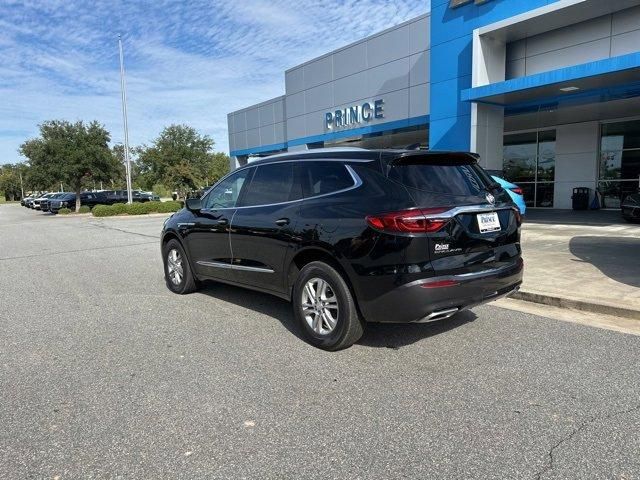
{"x":105,"y":374}
{"x":591,"y":257}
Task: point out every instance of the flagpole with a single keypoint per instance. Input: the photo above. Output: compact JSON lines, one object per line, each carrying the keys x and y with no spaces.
{"x":123,"y":89}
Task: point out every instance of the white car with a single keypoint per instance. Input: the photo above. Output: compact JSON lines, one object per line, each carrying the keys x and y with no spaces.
{"x":37,"y":201}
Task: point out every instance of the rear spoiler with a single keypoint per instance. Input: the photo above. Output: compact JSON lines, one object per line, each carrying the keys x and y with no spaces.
{"x":434,"y":158}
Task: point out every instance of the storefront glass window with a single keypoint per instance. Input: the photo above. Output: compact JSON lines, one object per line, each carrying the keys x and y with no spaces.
{"x":619,"y":161}
{"x":530,"y":162}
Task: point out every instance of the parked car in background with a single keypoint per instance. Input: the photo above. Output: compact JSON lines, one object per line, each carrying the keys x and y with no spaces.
{"x":43,"y":198}
{"x":29,"y":201}
{"x":120,"y":196}
{"x":24,"y":200}
{"x":631,"y":207}
{"x":139,"y":196}
{"x":353,"y":236}
{"x":514,"y":191}
{"x":44,"y":202}
{"x":90,"y":199}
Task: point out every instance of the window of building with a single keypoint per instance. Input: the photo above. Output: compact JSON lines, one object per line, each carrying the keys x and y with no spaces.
{"x":274,"y":183}
{"x":619,"y":161}
{"x":226,"y":193}
{"x":320,"y":178}
{"x":530,"y":162}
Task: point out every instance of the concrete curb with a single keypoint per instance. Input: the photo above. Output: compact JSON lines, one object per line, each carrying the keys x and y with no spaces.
{"x":576,"y":304}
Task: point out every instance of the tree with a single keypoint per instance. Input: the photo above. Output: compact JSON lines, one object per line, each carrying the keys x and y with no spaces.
{"x":180,"y":158}
{"x":219,"y":167}
{"x":10,"y":181}
{"x":71,"y":153}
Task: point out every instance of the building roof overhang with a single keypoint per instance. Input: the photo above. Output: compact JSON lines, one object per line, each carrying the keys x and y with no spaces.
{"x":613,"y":76}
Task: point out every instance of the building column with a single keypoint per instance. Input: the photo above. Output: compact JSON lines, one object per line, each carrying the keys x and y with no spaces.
{"x":577,"y":147}
{"x":487,"y":133}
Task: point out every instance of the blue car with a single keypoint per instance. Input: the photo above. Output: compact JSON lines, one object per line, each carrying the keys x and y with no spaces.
{"x":515,"y":192}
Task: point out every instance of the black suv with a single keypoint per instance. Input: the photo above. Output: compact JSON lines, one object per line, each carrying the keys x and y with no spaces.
{"x":68,"y":200}
{"x":352,"y":235}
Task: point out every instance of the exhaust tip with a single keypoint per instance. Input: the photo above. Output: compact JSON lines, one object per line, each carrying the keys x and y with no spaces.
{"x":439,"y":315}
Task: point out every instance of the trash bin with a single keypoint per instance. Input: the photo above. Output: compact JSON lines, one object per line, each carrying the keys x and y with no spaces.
{"x":580,"y":198}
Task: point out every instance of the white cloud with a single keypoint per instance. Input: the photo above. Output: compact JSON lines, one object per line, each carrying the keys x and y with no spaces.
{"x":187,"y":62}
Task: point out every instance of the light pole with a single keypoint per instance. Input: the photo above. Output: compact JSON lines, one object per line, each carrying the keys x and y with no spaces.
{"x":21,"y":185}
{"x":123,"y":88}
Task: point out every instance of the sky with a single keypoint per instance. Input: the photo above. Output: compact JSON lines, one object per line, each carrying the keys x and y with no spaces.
{"x":188,"y":62}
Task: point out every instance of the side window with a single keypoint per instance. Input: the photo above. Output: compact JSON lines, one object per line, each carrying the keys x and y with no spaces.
{"x":226,"y":193}
{"x":273,"y":183}
{"x":320,"y":178}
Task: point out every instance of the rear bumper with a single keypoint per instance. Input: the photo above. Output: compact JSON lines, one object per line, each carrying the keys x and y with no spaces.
{"x":417,"y":302}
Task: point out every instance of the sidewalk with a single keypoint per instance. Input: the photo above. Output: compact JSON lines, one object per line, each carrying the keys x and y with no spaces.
{"x":582,"y":260}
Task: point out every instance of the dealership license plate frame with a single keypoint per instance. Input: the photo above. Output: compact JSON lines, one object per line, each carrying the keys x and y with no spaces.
{"x":488,"y":222}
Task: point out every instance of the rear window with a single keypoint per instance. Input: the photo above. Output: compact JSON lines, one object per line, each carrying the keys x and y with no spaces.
{"x":321,"y":178}
{"x":440,"y":175}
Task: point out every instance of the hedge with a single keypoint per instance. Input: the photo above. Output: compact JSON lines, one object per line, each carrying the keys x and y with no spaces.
{"x":84,"y":209}
{"x":64,"y":211}
{"x":136,"y":208}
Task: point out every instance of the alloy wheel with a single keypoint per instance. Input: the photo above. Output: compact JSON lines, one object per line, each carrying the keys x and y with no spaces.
{"x":320,"y":306}
{"x":175,"y":269}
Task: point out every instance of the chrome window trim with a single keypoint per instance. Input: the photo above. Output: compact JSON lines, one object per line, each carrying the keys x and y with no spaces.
{"x":229,"y":266}
{"x":253,"y":165}
{"x":357,"y":182}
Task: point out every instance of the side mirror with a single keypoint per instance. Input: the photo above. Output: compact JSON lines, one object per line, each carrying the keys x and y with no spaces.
{"x":194,"y":204}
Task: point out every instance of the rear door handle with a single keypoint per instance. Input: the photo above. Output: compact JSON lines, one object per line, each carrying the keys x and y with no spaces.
{"x":282,"y":222}
{"x":223,"y":221}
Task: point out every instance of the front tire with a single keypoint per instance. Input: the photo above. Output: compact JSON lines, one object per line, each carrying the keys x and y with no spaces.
{"x":177,"y":271}
{"x":325,"y":309}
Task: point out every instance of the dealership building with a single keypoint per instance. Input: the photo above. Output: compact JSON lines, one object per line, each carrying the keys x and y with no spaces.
{"x":547,"y":92}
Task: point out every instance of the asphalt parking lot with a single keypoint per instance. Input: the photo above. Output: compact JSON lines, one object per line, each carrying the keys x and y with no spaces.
{"x":106,"y":374}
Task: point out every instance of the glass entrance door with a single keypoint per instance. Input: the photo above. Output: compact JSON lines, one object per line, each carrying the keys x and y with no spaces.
{"x":619,"y":161}
{"x":530,"y":162}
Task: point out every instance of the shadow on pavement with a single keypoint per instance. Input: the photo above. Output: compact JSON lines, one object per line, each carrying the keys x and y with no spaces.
{"x":396,"y":335}
{"x":616,"y":257}
{"x":376,"y":335}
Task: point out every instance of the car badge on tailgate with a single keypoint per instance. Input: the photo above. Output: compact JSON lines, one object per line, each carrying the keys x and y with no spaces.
{"x":491,"y":199}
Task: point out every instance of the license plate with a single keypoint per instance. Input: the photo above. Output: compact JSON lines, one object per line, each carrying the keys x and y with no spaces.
{"x":488,"y":222}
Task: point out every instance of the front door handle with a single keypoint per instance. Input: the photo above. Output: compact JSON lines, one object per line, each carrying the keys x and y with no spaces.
{"x":282,"y":222}
{"x":223,"y":221}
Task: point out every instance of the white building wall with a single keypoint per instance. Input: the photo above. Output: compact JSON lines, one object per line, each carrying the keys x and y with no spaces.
{"x":577,"y":152}
{"x":603,"y":37}
{"x":392,"y":65}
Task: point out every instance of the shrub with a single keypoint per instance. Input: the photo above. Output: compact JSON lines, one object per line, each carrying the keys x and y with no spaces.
{"x":118,"y":208}
{"x":101,"y":211}
{"x":84,"y":209}
{"x":168,"y":207}
{"x":64,"y":211}
{"x":136,"y":208}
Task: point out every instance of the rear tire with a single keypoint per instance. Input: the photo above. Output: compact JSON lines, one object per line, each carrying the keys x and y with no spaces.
{"x":177,"y":271}
{"x":325,"y":309}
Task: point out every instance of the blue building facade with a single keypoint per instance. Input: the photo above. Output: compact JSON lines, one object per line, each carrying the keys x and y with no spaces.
{"x":546,"y":91}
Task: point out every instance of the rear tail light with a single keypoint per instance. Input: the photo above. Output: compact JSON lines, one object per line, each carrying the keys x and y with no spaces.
{"x":516,"y":190}
{"x":409,"y":221}
{"x":516,"y":212}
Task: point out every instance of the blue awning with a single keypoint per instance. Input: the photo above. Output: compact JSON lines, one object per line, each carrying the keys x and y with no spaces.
{"x":617,"y":77}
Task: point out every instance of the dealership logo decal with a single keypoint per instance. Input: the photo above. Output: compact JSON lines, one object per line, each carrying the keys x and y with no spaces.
{"x":459,"y":3}
{"x":354,"y":115}
{"x":445,"y":248}
{"x":442,"y":247}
